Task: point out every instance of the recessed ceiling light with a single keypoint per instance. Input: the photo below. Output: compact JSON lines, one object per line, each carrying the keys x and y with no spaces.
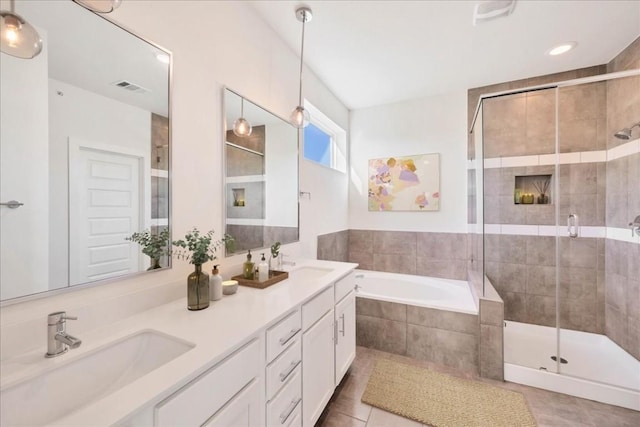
{"x":163,"y":57}
{"x":562,"y":48}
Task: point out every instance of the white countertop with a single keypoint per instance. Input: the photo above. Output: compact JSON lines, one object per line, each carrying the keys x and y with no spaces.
{"x":216,"y":332}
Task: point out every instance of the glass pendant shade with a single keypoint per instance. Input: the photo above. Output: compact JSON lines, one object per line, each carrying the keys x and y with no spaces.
{"x":18,"y":38}
{"x":299,"y":117}
{"x":241,"y":127}
{"x":100,"y":6}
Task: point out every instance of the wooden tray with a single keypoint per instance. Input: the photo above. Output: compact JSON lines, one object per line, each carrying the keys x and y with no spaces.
{"x":275,"y":276}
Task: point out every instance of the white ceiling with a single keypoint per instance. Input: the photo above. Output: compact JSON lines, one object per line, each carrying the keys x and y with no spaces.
{"x":379,"y":52}
{"x":90,"y":52}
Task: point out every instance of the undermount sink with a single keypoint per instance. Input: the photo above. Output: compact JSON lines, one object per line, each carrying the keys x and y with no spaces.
{"x":62,"y":390}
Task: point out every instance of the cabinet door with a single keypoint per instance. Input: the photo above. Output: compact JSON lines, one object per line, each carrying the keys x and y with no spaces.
{"x":317,"y":368}
{"x":345,"y":335}
{"x":241,"y":411}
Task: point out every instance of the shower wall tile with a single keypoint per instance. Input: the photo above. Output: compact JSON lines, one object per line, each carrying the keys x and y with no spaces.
{"x":441,"y":319}
{"x":442,"y":246}
{"x":578,"y":314}
{"x":616,"y":326}
{"x":455,"y":349}
{"x":381,"y":309}
{"x":633,"y":336}
{"x":363,"y":259}
{"x":541,"y":250}
{"x":581,"y":252}
{"x":334,"y":246}
{"x":514,"y":306}
{"x":512,"y":277}
{"x":394,"y":242}
{"x":541,"y":280}
{"x":381,"y":334}
{"x":491,"y":312}
{"x":616,"y":292}
{"x":540,"y":310}
{"x":513,"y":249}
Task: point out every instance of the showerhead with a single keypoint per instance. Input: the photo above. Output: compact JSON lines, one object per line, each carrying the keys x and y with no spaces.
{"x":625,"y":133}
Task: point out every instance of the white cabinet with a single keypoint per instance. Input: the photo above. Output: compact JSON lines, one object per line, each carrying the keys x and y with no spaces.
{"x":345,"y":318}
{"x":230,"y":390}
{"x":241,"y":411}
{"x":317,"y":368}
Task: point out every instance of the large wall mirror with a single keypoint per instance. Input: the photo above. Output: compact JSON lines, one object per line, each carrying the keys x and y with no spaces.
{"x":261,"y":182}
{"x":84,"y":146}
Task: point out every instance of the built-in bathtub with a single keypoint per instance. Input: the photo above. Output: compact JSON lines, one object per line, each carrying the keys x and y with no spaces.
{"x":421,"y":317}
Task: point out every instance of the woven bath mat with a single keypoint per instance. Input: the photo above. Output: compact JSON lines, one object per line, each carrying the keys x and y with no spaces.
{"x":441,"y":400}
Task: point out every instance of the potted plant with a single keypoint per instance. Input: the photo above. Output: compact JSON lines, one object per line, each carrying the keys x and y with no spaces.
{"x":197,"y":249}
{"x":154,"y":246}
{"x":275,"y":251}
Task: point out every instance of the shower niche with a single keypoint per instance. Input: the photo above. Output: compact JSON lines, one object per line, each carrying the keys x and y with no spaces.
{"x":532,"y":190}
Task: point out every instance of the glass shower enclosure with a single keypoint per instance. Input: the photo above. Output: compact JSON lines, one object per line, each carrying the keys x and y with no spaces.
{"x":557,"y":193}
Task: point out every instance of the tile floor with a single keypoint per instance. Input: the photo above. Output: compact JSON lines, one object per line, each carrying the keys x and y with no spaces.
{"x":550,"y":409}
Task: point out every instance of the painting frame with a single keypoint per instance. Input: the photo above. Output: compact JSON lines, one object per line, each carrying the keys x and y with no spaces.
{"x":404,"y":183}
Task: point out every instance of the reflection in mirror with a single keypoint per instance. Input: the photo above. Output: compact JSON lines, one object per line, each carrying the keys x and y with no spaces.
{"x":261,"y":178}
{"x":84,"y":145}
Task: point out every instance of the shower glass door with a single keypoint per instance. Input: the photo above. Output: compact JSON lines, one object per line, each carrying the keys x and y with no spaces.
{"x":598,"y":292}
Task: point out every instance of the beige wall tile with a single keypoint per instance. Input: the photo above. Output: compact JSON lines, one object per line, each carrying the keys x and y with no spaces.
{"x":442,"y":319}
{"x":382,"y":309}
{"x":381,"y":334}
{"x":448,"y":348}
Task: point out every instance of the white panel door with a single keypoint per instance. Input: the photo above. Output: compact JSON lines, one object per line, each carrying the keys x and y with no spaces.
{"x":345,"y":335}
{"x":104,"y":209}
{"x":317,"y":369}
{"x":24,"y":175}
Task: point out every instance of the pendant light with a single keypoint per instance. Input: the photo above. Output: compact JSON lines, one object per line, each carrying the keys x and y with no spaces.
{"x":299,"y":116}
{"x":100,"y":6}
{"x":18,"y":38}
{"x":241,"y":126}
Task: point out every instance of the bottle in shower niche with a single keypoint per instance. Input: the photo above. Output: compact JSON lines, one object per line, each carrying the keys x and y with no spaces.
{"x":248,"y":268}
{"x":215,"y":284}
{"x":263,"y":270}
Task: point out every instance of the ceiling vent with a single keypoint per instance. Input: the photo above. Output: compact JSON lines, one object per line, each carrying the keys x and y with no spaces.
{"x":131,"y":87}
{"x":490,"y":10}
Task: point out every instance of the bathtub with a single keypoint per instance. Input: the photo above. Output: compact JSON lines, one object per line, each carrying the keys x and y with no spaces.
{"x":422,"y":291}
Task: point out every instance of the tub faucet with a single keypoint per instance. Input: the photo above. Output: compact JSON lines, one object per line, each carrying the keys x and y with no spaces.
{"x":635,"y":226}
{"x":58,"y":341}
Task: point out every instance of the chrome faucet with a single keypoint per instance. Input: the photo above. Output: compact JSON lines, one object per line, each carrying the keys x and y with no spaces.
{"x":635,"y":226}
{"x":58,"y":341}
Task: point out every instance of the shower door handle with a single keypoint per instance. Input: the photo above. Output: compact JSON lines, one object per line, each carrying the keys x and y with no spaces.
{"x":572,"y":225}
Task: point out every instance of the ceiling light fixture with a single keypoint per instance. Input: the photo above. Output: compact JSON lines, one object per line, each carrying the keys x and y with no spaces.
{"x":100,"y":6}
{"x":17,"y":37}
{"x":562,"y":48}
{"x":299,"y":116}
{"x":241,"y":126}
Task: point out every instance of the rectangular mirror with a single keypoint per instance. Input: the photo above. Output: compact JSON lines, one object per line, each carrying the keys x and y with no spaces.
{"x":261,"y":180}
{"x":84,"y":147}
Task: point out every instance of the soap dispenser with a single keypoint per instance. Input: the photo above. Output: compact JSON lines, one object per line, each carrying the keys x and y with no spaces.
{"x":248,"y":268}
{"x":263,"y":270}
{"x":215,"y":284}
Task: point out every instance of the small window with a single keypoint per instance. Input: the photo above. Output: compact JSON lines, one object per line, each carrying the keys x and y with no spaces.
{"x":317,"y":145}
{"x":324,"y":142}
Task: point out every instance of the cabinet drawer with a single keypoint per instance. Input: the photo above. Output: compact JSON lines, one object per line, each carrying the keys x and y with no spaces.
{"x":282,"y":335}
{"x":281,"y":410}
{"x":345,"y":285}
{"x":283,"y":368}
{"x":204,"y":396}
{"x":316,"y":308}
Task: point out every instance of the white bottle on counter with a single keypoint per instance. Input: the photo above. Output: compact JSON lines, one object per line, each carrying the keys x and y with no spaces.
{"x":263,"y":270}
{"x":215,"y":285}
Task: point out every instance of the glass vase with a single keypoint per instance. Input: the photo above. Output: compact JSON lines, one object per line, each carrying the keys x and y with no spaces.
{"x":198,"y":289}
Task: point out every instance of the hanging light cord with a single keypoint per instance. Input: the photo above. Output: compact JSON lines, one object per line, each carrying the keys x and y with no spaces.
{"x":241,"y":108}
{"x":304,"y":20}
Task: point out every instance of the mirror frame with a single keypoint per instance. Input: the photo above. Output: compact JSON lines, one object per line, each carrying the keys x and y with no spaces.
{"x":101,"y":282}
{"x":223,"y":168}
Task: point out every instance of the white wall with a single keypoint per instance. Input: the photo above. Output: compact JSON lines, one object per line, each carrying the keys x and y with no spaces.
{"x":82,"y":115}
{"x":429,"y":125}
{"x":217,"y":44}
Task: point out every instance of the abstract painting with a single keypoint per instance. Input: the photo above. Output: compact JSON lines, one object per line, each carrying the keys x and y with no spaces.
{"x":409,"y":183}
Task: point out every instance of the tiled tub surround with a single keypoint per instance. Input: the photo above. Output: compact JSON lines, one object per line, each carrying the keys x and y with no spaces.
{"x":441,"y":336}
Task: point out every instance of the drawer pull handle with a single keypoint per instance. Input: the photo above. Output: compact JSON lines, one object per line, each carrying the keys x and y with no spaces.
{"x":292,"y":367}
{"x":342,"y":317}
{"x":287,"y":413}
{"x":290,"y":335}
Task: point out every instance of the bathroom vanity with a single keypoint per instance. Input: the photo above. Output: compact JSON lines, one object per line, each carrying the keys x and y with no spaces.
{"x":259,"y":357}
